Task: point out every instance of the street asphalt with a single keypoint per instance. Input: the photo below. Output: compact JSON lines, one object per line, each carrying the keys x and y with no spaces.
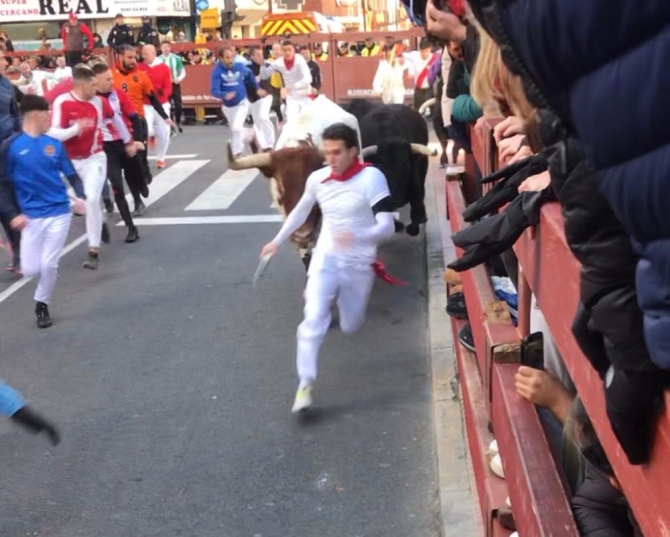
{"x":172,"y":378}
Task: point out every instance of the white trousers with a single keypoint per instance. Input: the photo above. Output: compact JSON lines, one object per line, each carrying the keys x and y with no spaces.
{"x":42,"y":241}
{"x":351,"y":288}
{"x":158,"y":129}
{"x":236,"y":116}
{"x":263,"y":127}
{"x":295,"y":105}
{"x":93,"y":172}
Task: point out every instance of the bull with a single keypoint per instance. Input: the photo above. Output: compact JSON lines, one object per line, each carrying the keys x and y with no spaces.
{"x":395,"y":140}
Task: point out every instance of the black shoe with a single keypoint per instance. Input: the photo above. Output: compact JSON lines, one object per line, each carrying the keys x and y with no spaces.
{"x":32,"y":421}
{"x":104,"y":236}
{"x":139,"y":209}
{"x":456,"y":306}
{"x":133,"y":235}
{"x":465,"y":338}
{"x":179,"y":127}
{"x":43,"y":318}
{"x":109,"y":206}
{"x":92,"y":262}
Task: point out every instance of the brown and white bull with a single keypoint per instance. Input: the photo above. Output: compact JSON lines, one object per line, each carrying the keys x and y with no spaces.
{"x":288,"y":169}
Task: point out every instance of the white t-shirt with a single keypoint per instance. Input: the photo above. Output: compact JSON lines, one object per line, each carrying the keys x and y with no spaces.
{"x":62,"y":73}
{"x":346,"y":206}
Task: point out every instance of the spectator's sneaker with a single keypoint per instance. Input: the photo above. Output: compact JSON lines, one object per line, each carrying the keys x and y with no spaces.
{"x":456,"y":306}
{"x":465,"y":338}
{"x":303,"y":398}
{"x":42,"y":313}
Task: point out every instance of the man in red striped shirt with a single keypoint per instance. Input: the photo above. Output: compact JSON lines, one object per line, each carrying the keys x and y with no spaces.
{"x":161,"y":78}
{"x":119,"y":162}
{"x":77,"y":120}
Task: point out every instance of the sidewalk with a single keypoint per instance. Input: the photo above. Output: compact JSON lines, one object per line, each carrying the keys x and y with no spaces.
{"x":459,"y":508}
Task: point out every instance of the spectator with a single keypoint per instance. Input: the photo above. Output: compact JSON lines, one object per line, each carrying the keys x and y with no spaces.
{"x":371,"y":48}
{"x":73,"y":34}
{"x":6,"y":42}
{"x":343,"y":51}
{"x":320,"y":54}
{"x":31,"y":81}
{"x":120,"y":34}
{"x":420,"y":63}
{"x":148,"y":35}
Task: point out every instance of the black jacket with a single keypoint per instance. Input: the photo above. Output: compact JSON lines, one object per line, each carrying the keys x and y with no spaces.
{"x":315,"y":71}
{"x":120,"y":34}
{"x":148,"y":36}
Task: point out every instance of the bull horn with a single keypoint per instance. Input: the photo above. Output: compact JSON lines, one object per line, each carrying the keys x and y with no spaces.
{"x":430,"y":102}
{"x":369,"y":151}
{"x":423,"y":150}
{"x":248,"y":162}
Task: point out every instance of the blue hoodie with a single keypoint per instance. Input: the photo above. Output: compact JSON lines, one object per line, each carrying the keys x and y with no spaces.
{"x":232,"y":79}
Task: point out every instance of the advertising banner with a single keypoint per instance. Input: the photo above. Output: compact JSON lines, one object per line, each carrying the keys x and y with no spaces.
{"x":51,"y":10}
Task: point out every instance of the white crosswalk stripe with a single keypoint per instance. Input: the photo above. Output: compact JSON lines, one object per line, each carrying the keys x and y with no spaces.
{"x":224,"y":191}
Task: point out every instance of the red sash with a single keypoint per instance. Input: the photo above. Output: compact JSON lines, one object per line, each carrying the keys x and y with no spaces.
{"x":424,"y":73}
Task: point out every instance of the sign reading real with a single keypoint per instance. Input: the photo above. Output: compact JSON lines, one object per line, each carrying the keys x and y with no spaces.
{"x":43,"y":10}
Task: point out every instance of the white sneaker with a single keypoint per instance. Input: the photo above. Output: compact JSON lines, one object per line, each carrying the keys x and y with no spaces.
{"x":303,"y":398}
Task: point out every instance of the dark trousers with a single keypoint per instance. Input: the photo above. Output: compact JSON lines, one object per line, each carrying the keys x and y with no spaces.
{"x":421,"y":96}
{"x":119,"y":164}
{"x":176,"y":104}
{"x":73,"y":57}
{"x":14,"y":239}
{"x":143,"y":156}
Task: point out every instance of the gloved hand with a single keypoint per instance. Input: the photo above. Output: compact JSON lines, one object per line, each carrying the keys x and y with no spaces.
{"x":496,"y":234}
{"x":506,"y":190}
{"x":36,"y":423}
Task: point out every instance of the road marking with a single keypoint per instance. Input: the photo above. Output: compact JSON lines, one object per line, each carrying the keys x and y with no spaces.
{"x":163,"y":183}
{"x":224,"y":191}
{"x":196,"y":220}
{"x":172,"y":157}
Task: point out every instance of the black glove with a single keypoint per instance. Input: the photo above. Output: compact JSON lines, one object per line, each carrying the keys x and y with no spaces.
{"x":497,"y":234}
{"x":506,"y":190}
{"x":36,"y":423}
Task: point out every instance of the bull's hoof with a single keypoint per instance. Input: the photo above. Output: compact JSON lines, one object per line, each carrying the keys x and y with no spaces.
{"x":306,"y":260}
{"x":399,"y":226}
{"x":413,"y":229}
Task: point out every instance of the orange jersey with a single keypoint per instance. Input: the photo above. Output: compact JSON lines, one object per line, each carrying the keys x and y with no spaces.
{"x":136,"y":85}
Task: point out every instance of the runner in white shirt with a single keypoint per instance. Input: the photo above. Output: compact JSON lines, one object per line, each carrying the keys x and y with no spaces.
{"x":297,"y":79}
{"x":355,"y":202}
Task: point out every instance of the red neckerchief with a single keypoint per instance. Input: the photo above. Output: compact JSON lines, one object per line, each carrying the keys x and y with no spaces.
{"x":354,"y":168}
{"x":289,"y":63}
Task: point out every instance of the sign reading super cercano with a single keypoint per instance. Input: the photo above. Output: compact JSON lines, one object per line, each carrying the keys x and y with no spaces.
{"x":44,"y":10}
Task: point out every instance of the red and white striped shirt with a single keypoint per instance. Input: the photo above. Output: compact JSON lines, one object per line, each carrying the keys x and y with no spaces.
{"x":67,"y":109}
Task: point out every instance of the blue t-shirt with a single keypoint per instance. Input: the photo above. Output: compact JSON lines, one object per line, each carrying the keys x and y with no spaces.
{"x":232,"y":79}
{"x":32,"y":166}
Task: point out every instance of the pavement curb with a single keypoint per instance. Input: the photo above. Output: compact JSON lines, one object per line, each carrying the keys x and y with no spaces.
{"x":459,"y":509}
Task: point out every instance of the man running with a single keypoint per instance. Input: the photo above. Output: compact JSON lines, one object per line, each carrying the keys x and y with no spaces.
{"x":118,"y":160}
{"x":297,"y":79}
{"x":137,"y":85}
{"x":13,"y":405}
{"x":161,"y":80}
{"x":357,"y":214}
{"x":229,"y":84}
{"x":35,"y":199}
{"x":261,"y":106}
{"x":84,"y":145}
{"x":178,"y":73}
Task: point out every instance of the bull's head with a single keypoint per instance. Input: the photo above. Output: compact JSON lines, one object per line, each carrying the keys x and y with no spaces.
{"x":289,"y":167}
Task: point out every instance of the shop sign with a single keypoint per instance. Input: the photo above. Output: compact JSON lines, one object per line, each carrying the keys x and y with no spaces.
{"x":52,"y":10}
